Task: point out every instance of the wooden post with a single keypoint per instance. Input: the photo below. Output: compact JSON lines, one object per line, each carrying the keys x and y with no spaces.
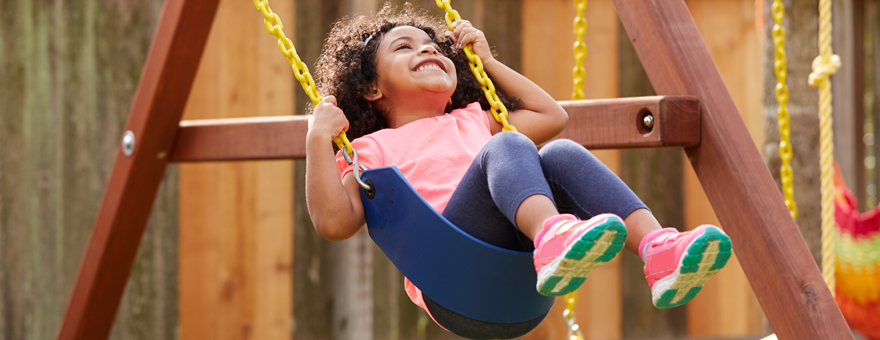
{"x":775,"y":258}
{"x":155,"y":114}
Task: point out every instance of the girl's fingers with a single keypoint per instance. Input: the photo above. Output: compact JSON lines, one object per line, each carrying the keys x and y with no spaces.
{"x":460,"y":26}
{"x":331,"y":99}
{"x":468,"y":38}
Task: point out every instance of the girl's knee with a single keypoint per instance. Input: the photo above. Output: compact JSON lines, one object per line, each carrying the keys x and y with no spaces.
{"x":565,"y":151}
{"x":564,"y":148}
{"x":511,"y":139}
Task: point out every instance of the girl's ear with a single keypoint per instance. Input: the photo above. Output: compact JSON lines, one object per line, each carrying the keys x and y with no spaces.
{"x":373,"y":93}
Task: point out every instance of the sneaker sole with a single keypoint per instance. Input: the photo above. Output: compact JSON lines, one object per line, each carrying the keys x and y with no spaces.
{"x":705,"y":256}
{"x":596,"y":246}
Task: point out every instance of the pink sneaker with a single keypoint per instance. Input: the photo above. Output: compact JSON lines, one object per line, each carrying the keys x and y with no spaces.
{"x":585,"y":244}
{"x":678,"y":264}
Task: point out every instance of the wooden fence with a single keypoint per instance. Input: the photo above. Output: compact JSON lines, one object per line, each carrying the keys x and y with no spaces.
{"x":68,"y":71}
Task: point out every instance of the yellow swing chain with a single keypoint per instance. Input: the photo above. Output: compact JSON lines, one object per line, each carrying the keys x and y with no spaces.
{"x":580,"y":50}
{"x":578,"y":76}
{"x":824,"y":66}
{"x":574,"y":331}
{"x":300,"y":70}
{"x":498,"y":109}
{"x":785,"y":152}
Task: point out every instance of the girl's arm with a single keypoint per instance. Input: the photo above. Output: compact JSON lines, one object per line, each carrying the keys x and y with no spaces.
{"x":334,"y":205}
{"x":540,"y":117}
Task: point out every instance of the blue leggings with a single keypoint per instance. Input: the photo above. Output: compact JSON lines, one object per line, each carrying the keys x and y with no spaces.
{"x":508,"y":170}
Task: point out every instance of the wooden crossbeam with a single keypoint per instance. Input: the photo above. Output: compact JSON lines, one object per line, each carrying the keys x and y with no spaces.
{"x":769,"y":246}
{"x":596,"y":124}
{"x":238,"y":139}
{"x":619,"y":123}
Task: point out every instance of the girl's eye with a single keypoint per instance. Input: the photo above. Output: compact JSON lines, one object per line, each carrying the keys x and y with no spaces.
{"x":402,"y":46}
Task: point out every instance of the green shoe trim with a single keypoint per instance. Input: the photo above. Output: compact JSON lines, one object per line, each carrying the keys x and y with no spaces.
{"x":580,"y":249}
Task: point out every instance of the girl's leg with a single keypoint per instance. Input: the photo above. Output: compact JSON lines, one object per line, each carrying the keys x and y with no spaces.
{"x":677,"y":264}
{"x":584,"y":186}
{"x":503,"y":198}
{"x":507,"y":183}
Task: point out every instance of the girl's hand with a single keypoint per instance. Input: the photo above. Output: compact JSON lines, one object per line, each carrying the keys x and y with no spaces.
{"x":464,"y":33}
{"x":327,"y":120}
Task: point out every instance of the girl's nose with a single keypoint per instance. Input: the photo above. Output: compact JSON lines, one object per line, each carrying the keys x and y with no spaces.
{"x":428,"y":49}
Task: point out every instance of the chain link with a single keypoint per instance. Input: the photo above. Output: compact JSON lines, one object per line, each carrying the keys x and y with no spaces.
{"x":580,"y":50}
{"x":785,"y":173}
{"x":300,"y":70}
{"x":498,"y":109}
{"x":578,"y":76}
{"x":574,"y":331}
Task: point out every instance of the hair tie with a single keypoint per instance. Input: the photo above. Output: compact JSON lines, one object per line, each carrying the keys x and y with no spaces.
{"x":367,"y":41}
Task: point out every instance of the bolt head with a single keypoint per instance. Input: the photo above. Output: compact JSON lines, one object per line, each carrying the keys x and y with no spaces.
{"x":648,"y":121}
{"x":128,"y":143}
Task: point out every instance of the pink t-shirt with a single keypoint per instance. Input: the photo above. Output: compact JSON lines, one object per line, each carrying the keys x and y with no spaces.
{"x":433,"y":155}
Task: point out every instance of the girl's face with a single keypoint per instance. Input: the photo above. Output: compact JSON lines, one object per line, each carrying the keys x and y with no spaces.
{"x":409,"y":63}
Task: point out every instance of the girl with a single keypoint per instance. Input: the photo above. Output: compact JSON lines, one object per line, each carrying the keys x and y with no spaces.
{"x":398,"y":78}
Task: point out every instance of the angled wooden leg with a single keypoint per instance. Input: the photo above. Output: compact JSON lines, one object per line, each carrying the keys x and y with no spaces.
{"x":128,"y":198}
{"x":773,"y":254}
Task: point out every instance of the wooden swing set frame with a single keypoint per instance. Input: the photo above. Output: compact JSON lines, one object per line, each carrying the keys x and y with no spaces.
{"x":695,"y":111}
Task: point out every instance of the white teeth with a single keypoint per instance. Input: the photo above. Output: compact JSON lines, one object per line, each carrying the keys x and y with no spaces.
{"x":429,"y":66}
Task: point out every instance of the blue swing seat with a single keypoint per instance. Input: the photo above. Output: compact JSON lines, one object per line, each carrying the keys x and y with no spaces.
{"x":461,"y":273}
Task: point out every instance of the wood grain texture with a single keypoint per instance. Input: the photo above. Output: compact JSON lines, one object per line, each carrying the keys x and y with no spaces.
{"x":236,"y":219}
{"x":67,"y":78}
{"x":727,"y":307}
{"x":596,"y":124}
{"x":278,"y":137}
{"x":155,"y":114}
{"x":313,"y":264}
{"x":618,"y":123}
{"x":731,"y":171}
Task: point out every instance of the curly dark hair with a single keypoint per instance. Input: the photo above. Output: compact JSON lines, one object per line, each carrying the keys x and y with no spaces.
{"x":346,"y":67}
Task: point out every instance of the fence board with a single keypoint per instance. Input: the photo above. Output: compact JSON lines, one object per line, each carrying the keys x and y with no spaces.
{"x":848,"y":89}
{"x":67,"y":77}
{"x":726,"y":307}
{"x":236,"y":226}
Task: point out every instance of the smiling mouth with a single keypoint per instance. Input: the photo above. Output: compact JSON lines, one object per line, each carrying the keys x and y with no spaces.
{"x":428,"y":66}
